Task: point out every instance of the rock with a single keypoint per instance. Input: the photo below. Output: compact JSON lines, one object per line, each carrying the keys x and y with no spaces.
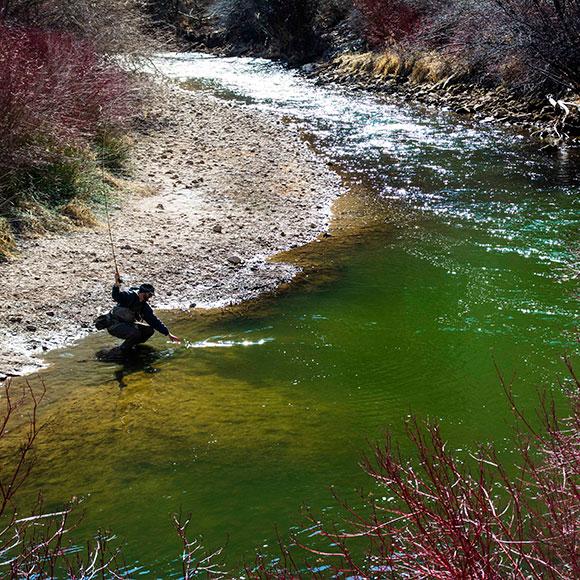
{"x":160,"y":206}
{"x":217,"y":229}
{"x":193,"y":305}
{"x":235,"y":260}
{"x":31,"y":327}
{"x":50,"y":313}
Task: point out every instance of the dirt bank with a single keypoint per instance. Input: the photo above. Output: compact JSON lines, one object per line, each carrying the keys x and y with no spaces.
{"x":232,"y":186}
{"x":544,"y":118}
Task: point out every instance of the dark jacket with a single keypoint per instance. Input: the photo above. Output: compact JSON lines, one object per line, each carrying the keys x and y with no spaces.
{"x":130,"y":299}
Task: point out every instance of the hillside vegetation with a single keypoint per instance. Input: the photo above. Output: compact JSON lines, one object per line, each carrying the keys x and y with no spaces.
{"x":65,"y":105}
{"x":530,"y":45}
{"x":531,"y":49}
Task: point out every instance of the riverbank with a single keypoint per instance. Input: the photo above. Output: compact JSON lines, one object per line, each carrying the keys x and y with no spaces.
{"x":509,"y":66}
{"x":547,"y":121}
{"x":227,"y":188}
{"x":428,"y":82}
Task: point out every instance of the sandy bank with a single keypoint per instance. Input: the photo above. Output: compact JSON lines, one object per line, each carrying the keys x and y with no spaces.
{"x":233,"y":186}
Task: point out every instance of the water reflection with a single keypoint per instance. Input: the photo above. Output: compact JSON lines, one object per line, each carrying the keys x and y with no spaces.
{"x":143,"y":358}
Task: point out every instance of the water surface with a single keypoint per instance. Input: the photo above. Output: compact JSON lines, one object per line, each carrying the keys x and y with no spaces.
{"x":451,"y":253}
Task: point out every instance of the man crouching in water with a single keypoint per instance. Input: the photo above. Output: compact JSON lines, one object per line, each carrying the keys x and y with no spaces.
{"x":126,"y":317}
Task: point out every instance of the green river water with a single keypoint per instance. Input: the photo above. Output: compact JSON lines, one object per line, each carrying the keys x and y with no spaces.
{"x":452,"y":248}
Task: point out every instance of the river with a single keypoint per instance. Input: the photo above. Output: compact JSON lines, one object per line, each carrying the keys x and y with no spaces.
{"x":451,"y":252}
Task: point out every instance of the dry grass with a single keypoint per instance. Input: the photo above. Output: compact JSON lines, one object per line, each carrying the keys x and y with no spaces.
{"x":79,"y":213}
{"x":33,"y":219}
{"x":388,"y":63}
{"x":355,"y":63}
{"x":6,"y":240}
{"x":428,"y":67}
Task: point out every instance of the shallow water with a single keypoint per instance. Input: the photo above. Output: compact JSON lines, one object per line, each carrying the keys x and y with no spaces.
{"x":451,"y":250}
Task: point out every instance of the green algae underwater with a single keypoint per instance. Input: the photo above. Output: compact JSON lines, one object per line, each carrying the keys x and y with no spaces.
{"x":405,"y":310}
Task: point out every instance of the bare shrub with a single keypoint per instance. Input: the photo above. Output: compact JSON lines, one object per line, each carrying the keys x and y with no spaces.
{"x":329,"y":13}
{"x":35,"y":546}
{"x":387,"y":22}
{"x":239,"y":20}
{"x":532,"y":47}
{"x":112,"y":26}
{"x":443,"y":519}
{"x":57,"y":96}
{"x":285,"y":28}
{"x":194,"y":559}
{"x":546,"y":34}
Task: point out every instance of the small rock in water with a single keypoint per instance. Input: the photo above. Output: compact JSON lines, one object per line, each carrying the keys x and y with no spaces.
{"x":31,"y":327}
{"x":235,"y":260}
{"x":217,"y":229}
{"x":193,"y":305}
{"x":160,"y":206}
{"x":50,"y":313}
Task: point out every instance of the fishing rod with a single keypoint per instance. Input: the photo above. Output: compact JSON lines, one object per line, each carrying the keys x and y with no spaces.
{"x":111,"y":234}
{"x":107,"y":213}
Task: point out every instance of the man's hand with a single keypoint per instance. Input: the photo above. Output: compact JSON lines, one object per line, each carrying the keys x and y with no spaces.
{"x":118,"y":280}
{"x":174,"y":338}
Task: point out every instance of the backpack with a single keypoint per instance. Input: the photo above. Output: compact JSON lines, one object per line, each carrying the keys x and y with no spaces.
{"x":123,"y":314}
{"x":103,"y":321}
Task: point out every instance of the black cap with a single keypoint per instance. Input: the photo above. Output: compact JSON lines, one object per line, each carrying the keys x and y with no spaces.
{"x":147,"y":288}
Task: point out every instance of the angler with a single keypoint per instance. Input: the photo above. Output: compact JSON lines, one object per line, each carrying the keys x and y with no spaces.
{"x":132,"y":319}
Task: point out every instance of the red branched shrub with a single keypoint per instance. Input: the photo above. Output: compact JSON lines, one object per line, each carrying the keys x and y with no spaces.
{"x":444,"y":519}
{"x":55,"y":92}
{"x":388,"y":21}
